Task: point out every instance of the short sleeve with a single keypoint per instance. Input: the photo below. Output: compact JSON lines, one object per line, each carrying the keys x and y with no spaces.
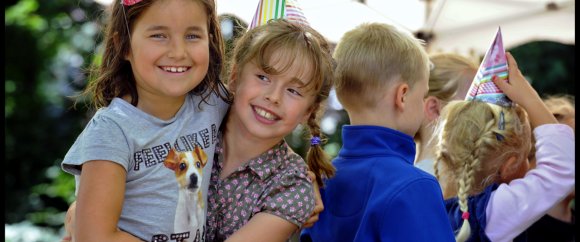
{"x":102,"y":139}
{"x":291,"y":196}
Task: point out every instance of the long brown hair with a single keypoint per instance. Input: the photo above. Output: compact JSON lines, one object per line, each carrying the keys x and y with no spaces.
{"x":114,"y":77}
{"x":296,"y":41}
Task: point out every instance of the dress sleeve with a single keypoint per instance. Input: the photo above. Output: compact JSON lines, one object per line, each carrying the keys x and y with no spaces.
{"x":517,"y":205}
{"x":290,"y":196}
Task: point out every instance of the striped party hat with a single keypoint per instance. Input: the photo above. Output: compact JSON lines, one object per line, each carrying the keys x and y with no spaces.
{"x":275,"y":9}
{"x":494,"y":63}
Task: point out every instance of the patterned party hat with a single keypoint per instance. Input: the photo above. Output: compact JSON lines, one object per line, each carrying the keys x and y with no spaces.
{"x":494,"y":63}
{"x":275,"y":9}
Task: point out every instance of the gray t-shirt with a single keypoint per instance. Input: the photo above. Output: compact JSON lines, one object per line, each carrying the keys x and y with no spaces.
{"x":155,"y":207}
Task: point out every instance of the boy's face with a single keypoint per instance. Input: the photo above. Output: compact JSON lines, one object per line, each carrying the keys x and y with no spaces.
{"x":169,"y":52}
{"x":414,"y":113}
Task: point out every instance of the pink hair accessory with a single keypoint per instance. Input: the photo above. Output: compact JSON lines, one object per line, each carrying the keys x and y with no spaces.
{"x":129,"y":2}
{"x":465,"y":215}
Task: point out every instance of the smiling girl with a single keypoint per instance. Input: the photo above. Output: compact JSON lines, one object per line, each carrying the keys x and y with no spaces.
{"x":259,"y":191}
{"x":157,"y":90}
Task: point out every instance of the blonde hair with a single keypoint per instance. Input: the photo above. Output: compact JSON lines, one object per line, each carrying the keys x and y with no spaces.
{"x":472,"y":147}
{"x":561,"y":105}
{"x":370,"y":57}
{"x":297,"y":43}
{"x":448,"y":73}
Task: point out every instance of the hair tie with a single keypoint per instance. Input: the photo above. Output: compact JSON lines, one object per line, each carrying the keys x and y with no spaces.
{"x":501,"y":123}
{"x":315,"y":140}
{"x":500,"y":126}
{"x":129,"y":2}
{"x":465,"y":215}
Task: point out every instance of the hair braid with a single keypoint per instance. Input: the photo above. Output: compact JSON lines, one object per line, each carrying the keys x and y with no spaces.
{"x":435,"y":166}
{"x":316,"y":158}
{"x":472,"y":147}
{"x":465,"y":186}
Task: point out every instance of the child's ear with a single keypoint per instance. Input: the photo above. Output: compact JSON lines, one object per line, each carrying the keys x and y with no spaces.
{"x":432,"y":108}
{"x":512,"y":169}
{"x":401,"y":95}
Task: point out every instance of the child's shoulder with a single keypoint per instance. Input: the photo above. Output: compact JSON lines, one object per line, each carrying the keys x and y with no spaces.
{"x":208,"y":101}
{"x":116,"y":112}
{"x":289,"y":159}
{"x":287,"y":162}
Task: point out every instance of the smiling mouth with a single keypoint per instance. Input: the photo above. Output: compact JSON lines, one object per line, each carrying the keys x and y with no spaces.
{"x":175,"y":69}
{"x":265,"y":114}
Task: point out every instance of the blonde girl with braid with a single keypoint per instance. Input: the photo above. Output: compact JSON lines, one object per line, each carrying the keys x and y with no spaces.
{"x":280,"y":77}
{"x":490,"y":194}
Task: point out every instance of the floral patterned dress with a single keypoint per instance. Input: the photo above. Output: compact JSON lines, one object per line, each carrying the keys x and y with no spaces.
{"x":274,"y":182}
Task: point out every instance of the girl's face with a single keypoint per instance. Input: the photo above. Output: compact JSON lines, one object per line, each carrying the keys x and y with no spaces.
{"x":169,"y":49}
{"x":269,"y":107}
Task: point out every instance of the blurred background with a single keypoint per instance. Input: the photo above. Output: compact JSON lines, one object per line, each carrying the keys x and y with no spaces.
{"x":49,"y":46}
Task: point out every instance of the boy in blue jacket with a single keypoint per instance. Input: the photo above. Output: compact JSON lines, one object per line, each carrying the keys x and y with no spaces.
{"x":377,"y":194}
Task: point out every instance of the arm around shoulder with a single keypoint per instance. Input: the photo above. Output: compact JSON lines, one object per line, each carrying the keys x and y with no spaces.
{"x":290,"y":203}
{"x":264,"y":227}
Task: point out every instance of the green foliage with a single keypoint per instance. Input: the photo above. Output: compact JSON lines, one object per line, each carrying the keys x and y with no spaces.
{"x":549,"y":66}
{"x":47,"y":44}
{"x":24,"y":14}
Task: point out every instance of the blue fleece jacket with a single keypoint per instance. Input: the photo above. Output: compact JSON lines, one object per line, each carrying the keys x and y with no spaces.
{"x":377,"y":193}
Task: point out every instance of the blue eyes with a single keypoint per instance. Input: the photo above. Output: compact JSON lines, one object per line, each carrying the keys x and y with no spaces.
{"x":293,"y":91}
{"x":263,"y":78}
{"x":157,"y":36}
{"x":192,"y":36}
{"x":188,"y":37}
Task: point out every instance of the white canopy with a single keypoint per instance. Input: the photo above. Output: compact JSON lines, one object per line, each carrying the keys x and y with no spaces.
{"x":468,"y":26}
{"x":332,"y":18}
{"x":462,"y":26}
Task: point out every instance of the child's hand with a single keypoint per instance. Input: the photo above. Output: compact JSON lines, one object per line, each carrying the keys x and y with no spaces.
{"x":318,"y":206}
{"x":518,"y":89}
{"x":521,"y":92}
{"x":69,"y":223}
